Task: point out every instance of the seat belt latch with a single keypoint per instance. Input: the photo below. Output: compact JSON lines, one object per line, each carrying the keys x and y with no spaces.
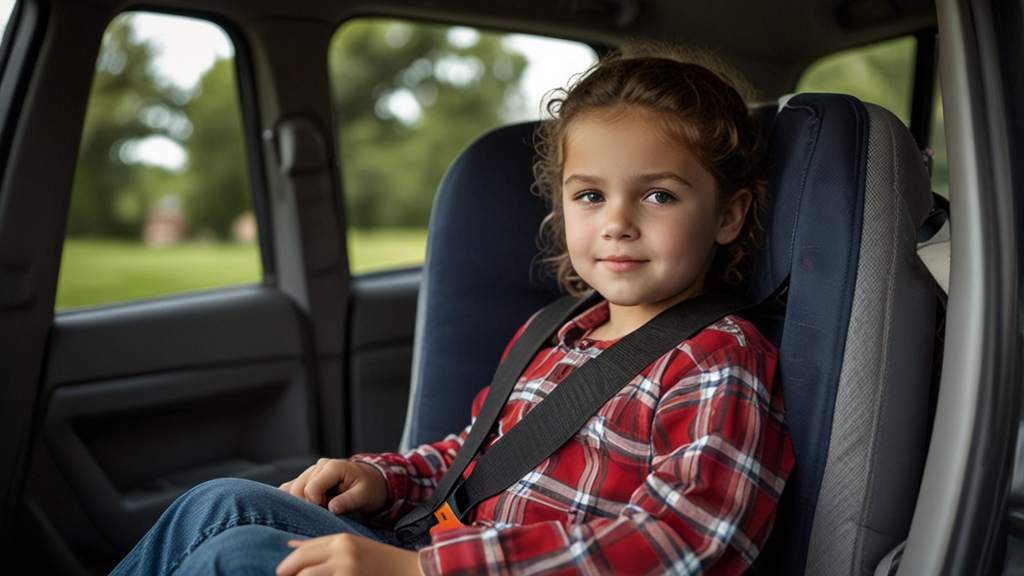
{"x":446,"y":520}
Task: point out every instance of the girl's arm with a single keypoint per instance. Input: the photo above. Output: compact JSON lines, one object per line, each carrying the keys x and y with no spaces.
{"x":720,"y":458}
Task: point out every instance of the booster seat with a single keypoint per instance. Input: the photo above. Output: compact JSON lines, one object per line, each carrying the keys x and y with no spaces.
{"x":847,"y":194}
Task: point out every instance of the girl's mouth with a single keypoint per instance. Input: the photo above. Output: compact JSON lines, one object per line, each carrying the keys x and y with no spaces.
{"x":621,"y":263}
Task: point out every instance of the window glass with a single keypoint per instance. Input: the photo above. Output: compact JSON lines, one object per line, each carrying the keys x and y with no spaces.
{"x":881,"y":73}
{"x":161,"y":198}
{"x":408,"y":97}
{"x":940,"y":174}
{"x":6,"y":8}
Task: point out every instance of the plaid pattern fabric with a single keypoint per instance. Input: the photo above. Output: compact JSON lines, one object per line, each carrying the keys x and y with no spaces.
{"x":679,"y":472}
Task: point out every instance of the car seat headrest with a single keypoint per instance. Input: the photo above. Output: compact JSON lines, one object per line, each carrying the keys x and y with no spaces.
{"x":482,"y":278}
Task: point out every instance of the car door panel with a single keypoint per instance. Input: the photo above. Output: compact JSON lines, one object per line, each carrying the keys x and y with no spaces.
{"x":146,"y":400}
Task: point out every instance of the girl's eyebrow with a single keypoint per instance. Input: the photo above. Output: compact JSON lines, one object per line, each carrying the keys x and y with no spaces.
{"x":658,"y":176}
{"x":636,"y":178}
{"x":584,"y":178}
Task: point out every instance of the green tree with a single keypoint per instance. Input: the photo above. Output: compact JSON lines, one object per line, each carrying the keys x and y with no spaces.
{"x":882,"y":74}
{"x":218,"y":189}
{"x":407,"y":99}
{"x":127,"y":104}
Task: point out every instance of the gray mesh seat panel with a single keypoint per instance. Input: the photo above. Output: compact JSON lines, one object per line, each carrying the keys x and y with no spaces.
{"x":878,"y":441}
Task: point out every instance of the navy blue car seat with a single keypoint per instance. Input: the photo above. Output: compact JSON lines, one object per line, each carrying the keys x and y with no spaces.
{"x":848,"y":192}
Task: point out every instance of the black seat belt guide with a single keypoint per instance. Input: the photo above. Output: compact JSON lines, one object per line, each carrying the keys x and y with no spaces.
{"x":566,"y":409}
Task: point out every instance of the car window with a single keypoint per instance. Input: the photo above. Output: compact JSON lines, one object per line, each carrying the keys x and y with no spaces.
{"x":940,"y":175}
{"x":6,"y":8}
{"x":883,"y":74}
{"x":408,"y":97}
{"x":161,"y":201}
{"x":880,"y":73}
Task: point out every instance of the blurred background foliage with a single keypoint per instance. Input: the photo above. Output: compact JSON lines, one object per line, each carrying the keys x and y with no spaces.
{"x":882,"y":74}
{"x":130,"y":106}
{"x":407,"y":99}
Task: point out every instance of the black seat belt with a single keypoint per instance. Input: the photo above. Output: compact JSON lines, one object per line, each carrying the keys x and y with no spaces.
{"x":566,"y":409}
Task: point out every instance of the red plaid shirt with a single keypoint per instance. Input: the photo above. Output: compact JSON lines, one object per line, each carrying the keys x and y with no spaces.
{"x":680,"y":472}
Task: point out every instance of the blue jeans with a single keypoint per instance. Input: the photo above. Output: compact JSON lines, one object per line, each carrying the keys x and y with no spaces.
{"x":233,"y":526}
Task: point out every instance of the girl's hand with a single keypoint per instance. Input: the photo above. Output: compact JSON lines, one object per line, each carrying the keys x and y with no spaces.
{"x":344,"y":554}
{"x":360,"y":486}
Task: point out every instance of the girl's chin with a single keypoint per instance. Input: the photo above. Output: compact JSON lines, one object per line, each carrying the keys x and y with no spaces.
{"x":627,"y":300}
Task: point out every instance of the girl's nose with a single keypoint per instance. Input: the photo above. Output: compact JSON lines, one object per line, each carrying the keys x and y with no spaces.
{"x":618,"y":224}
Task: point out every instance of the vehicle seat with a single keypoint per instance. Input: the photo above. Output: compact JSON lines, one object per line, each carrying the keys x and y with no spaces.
{"x":848,"y":193}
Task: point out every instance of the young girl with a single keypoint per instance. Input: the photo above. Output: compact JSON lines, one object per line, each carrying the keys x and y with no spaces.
{"x":652,"y":167}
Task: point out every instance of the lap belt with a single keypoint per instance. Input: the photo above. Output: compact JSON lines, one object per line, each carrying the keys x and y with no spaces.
{"x":568,"y":407}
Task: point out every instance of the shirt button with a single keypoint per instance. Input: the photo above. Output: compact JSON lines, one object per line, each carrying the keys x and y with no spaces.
{"x":585,"y":343}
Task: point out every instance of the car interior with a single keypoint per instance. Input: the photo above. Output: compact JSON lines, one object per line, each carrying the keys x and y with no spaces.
{"x":899,"y":342}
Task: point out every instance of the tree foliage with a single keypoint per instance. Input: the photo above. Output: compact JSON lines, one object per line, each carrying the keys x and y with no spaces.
{"x":407,"y":99}
{"x":219,"y":191}
{"x":114,"y":187}
{"x":126,"y":104}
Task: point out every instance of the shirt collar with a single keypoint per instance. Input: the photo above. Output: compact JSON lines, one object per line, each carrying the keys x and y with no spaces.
{"x":583,"y":324}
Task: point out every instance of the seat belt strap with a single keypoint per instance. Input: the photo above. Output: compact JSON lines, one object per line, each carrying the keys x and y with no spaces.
{"x":566,"y":409}
{"x":571,"y":404}
{"x":536,"y":334}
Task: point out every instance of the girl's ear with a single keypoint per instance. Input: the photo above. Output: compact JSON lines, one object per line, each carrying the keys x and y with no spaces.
{"x":733,"y":215}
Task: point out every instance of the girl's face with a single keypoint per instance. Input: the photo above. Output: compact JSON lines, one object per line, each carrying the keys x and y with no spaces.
{"x":642,"y":216}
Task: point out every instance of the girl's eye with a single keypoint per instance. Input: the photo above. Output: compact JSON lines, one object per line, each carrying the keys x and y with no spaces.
{"x":590,"y":197}
{"x":659,"y":197}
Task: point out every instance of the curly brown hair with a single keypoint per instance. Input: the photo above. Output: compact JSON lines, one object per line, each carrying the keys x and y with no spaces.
{"x":693,"y":105}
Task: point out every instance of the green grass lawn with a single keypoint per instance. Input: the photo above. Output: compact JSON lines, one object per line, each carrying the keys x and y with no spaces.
{"x":386,"y":248}
{"x":101,"y":271}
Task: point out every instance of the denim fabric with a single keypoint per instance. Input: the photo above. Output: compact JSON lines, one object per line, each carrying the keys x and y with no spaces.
{"x":233,"y":526}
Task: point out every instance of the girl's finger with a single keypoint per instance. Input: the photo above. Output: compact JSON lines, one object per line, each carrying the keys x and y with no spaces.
{"x":298,"y":486}
{"x":347,"y":501}
{"x":308,"y":553}
{"x":332,"y":475}
{"x":318,"y":485}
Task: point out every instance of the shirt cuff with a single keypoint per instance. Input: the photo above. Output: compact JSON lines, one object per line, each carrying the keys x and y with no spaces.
{"x":393,"y":468}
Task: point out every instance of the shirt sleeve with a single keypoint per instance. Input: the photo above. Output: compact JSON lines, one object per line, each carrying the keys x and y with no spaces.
{"x":707,"y":502}
{"x":413,"y":476}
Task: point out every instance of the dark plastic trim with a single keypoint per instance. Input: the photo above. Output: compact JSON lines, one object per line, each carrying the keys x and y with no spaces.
{"x":210,"y":328}
{"x":925,"y":67}
{"x":21,"y":50}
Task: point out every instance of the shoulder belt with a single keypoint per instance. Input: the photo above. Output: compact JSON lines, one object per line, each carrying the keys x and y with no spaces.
{"x":565,"y":410}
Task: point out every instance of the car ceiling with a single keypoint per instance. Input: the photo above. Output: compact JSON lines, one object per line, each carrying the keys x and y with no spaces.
{"x":770,"y":42}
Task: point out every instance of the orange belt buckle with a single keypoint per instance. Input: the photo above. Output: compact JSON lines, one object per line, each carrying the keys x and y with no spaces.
{"x":446,"y":520}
